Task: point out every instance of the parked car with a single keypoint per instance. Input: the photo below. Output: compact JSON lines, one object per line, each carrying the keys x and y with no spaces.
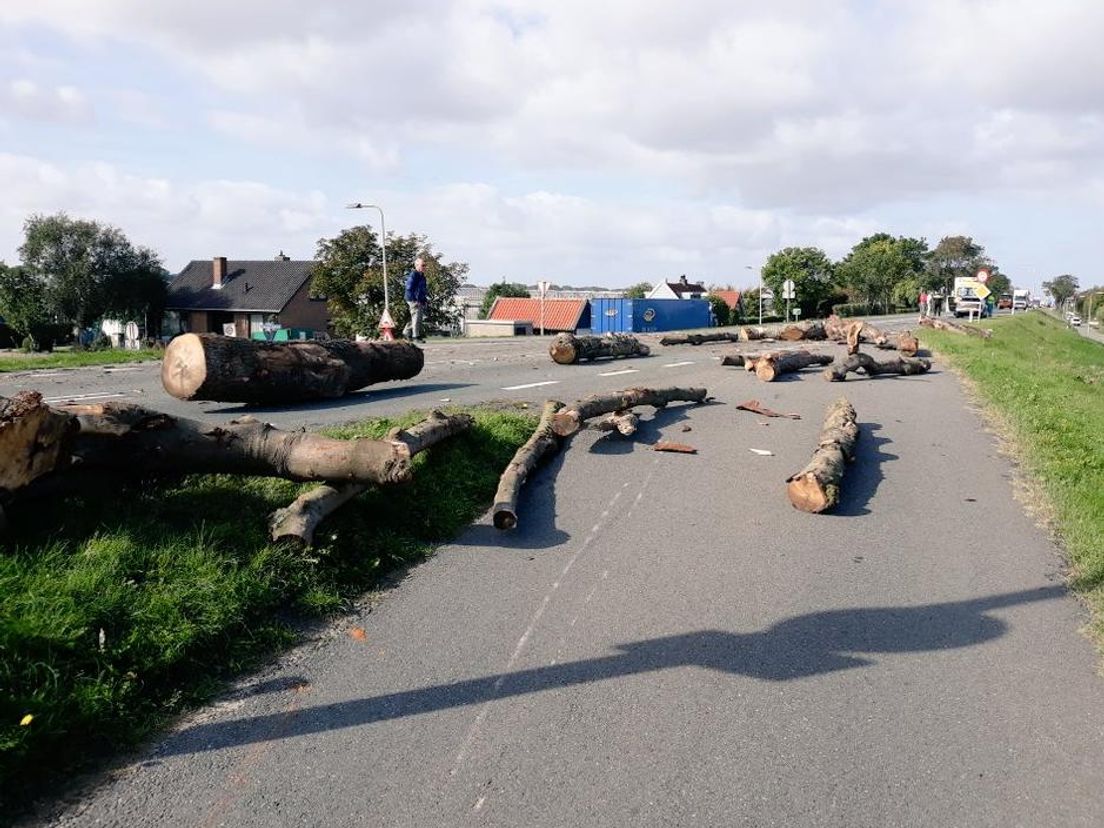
{"x":1075,"y":321}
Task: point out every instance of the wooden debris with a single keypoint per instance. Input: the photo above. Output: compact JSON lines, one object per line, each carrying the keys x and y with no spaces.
{"x":954,"y":327}
{"x":678,"y":448}
{"x":234,"y":369}
{"x":768,"y":367}
{"x":809,"y":331}
{"x":34,"y":440}
{"x":569,"y":420}
{"x":542,"y":442}
{"x":298,"y":521}
{"x":568,"y":349}
{"x":623,"y":422}
{"x":700,"y":339}
{"x":816,"y":488}
{"x":838,"y":371}
{"x":761,"y":452}
{"x":755,"y":407}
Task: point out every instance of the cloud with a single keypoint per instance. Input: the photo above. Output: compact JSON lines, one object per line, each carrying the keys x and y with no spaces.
{"x":30,"y":100}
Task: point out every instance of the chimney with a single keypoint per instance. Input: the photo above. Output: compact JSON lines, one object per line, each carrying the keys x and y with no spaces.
{"x":280,"y":257}
{"x":218,"y":271}
{"x":683,"y":280}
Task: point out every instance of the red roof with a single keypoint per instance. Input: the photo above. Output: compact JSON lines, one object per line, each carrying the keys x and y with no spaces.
{"x":730,"y":297}
{"x":559,"y":314}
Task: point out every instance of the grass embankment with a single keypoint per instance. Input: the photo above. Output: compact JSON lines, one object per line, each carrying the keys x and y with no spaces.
{"x":121,"y":608}
{"x":1047,"y":383}
{"x":17,"y":361}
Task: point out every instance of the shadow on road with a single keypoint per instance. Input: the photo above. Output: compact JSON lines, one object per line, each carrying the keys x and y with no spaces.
{"x":796,"y":648}
{"x":865,"y":474}
{"x":348,"y":401}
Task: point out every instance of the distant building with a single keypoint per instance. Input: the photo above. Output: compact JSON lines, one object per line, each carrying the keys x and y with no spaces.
{"x":560,"y":315}
{"x":729,"y":297}
{"x":238,"y":297}
{"x":682,"y":289}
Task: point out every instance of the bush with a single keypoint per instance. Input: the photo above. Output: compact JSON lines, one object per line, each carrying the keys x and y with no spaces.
{"x":720,"y":310}
{"x":28,"y":345}
{"x":852,"y":309}
{"x":101,"y":343}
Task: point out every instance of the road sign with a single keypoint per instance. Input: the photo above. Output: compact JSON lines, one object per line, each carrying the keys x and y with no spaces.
{"x":788,"y":287}
{"x":386,"y":325}
{"x":982,"y":291}
{"x":983,"y":277}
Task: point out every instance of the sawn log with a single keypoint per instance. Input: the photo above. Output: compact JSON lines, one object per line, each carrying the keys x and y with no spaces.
{"x":838,"y":371}
{"x":700,"y":339}
{"x":569,"y":420}
{"x":543,"y":441}
{"x":568,"y":349}
{"x":954,"y":327}
{"x":816,"y":488}
{"x":297,"y":522}
{"x":768,"y":367}
{"x":233,"y":369}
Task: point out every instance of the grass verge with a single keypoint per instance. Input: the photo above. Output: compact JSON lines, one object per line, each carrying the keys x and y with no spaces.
{"x":1047,"y":383}
{"x":120,"y":608}
{"x":74,"y":359}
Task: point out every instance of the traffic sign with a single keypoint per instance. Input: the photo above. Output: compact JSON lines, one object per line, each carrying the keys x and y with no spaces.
{"x":386,"y":325}
{"x":983,"y":277}
{"x":982,"y":291}
{"x":788,"y":287}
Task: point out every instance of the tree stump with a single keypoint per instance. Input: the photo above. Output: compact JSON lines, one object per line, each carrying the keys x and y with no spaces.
{"x":568,"y":349}
{"x":232,"y":369}
{"x":816,"y":488}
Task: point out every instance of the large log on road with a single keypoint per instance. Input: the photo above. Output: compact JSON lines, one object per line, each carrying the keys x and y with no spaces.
{"x":811,"y":331}
{"x":34,"y":440}
{"x":768,"y":367}
{"x":543,"y":441}
{"x":567,"y":349}
{"x":297,"y":522}
{"x":816,"y":487}
{"x":569,"y":420}
{"x":838,"y":371}
{"x":700,"y":339}
{"x":233,"y":369}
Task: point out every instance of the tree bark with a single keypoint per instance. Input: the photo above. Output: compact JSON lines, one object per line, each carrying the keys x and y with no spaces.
{"x":232,"y":369}
{"x":811,"y":331}
{"x":568,"y":349}
{"x":135,"y":440}
{"x":838,"y":371}
{"x":755,"y":407}
{"x":769,"y":367}
{"x":298,"y":522}
{"x":569,"y":420}
{"x":542,"y":442}
{"x":34,"y":440}
{"x":955,"y":327}
{"x":751,"y":333}
{"x":816,"y":488}
{"x":698,"y":339}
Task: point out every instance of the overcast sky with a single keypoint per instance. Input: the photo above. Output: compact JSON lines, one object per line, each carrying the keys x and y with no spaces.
{"x":599,"y":142}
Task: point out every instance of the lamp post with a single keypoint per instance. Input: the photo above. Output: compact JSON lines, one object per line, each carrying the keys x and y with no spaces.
{"x":542,"y":287}
{"x":383,"y":249}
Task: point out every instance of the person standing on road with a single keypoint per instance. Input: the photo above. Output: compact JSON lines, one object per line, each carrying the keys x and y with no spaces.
{"x":415,"y":292}
{"x":923,"y":302}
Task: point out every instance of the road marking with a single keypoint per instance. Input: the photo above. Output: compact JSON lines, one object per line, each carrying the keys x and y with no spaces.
{"x":530,"y":385}
{"x":677,"y":364}
{"x":619,"y":373}
{"x":80,"y":397}
{"x":117,"y":370}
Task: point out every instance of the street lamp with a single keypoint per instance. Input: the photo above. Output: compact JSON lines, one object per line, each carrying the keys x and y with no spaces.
{"x":383,"y":249}
{"x":749,"y":267}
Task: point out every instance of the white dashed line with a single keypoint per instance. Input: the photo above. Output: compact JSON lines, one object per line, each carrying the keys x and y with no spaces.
{"x":82,"y":397}
{"x":619,"y":373}
{"x":530,"y":385}
{"x":678,"y":364}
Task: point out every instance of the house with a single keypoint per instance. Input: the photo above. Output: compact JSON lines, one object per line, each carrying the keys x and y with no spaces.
{"x":559,"y":315}
{"x":729,"y":297}
{"x":239,"y":297}
{"x":682,"y":289}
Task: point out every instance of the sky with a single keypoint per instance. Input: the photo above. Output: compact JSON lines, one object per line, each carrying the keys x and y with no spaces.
{"x":604,"y":142}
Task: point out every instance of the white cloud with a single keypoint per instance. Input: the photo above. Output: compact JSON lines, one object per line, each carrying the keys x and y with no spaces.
{"x":28,"y":99}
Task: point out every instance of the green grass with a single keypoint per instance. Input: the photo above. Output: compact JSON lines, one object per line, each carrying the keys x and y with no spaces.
{"x":18,"y":361}
{"x":121,"y":608}
{"x":1047,"y":383}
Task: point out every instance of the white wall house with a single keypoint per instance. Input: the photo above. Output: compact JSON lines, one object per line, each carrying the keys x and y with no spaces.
{"x":682,"y":289}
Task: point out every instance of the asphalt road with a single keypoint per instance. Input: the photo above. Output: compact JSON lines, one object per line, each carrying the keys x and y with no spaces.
{"x":665,"y":641}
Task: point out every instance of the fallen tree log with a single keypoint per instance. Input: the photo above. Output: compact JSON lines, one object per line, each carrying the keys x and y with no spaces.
{"x":954,"y":327}
{"x":233,"y":369}
{"x":700,"y":339}
{"x":623,"y":422}
{"x":569,"y":420}
{"x":816,"y":488}
{"x":768,"y":367}
{"x":838,"y":371}
{"x":543,"y":441}
{"x":297,"y":522}
{"x":812,"y":331}
{"x":34,"y":440}
{"x":568,"y":349}
{"x":752,"y":333}
{"x":857,"y":331}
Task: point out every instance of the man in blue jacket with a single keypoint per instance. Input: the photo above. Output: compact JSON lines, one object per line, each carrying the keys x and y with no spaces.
{"x":415,"y":293}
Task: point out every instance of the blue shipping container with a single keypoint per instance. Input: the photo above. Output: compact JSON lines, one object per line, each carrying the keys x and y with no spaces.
{"x":648,"y":315}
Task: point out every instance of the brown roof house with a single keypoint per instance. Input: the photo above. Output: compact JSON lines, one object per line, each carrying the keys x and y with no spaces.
{"x":241,"y":297}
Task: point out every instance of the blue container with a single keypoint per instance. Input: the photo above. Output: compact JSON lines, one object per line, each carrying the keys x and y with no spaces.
{"x":648,"y":315}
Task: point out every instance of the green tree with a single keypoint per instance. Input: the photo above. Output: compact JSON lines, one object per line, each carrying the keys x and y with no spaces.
{"x":89,"y":269}
{"x":1061,"y":288}
{"x":349,"y":273}
{"x":721,"y":310}
{"x":501,"y":289}
{"x":952,"y":258}
{"x":23,"y":300}
{"x":813,"y":274}
{"x":639,"y":290}
{"x":999,"y":283}
{"x":874,"y":268}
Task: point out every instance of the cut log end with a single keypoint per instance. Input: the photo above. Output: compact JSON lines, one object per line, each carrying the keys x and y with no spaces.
{"x":184,"y":366}
{"x":809,"y":495}
{"x":504,"y":516}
